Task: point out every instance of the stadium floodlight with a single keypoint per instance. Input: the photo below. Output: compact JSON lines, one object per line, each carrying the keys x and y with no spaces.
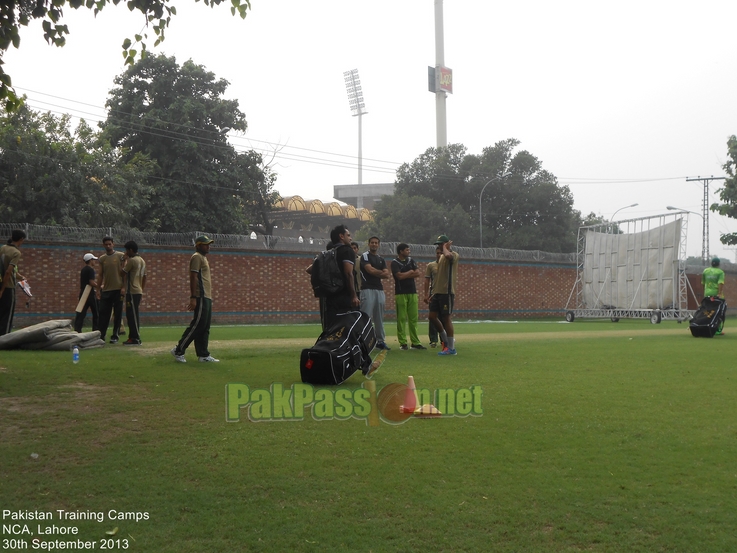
{"x":481,"y":226}
{"x":355,"y":101}
{"x":621,"y":208}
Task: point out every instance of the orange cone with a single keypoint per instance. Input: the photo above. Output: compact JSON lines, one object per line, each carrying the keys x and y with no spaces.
{"x":410,"y":397}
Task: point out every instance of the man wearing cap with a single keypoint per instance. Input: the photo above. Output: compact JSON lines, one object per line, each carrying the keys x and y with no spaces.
{"x":87,"y":278}
{"x":134,"y":281}
{"x":200,"y":301}
{"x":110,"y":284}
{"x":713,"y":280}
{"x":9,"y":258}
{"x":441,"y":303}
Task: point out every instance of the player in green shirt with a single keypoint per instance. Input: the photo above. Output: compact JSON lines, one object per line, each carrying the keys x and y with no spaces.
{"x":713,"y":280}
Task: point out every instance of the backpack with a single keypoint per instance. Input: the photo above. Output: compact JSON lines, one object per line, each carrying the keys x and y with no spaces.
{"x":326,"y":276}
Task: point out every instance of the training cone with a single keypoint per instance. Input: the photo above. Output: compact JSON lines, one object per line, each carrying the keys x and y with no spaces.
{"x":410,"y":397}
{"x":427,"y":411}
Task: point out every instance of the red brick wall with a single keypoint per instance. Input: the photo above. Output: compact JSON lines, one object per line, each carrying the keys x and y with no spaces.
{"x":263,"y":286}
{"x":272,"y":287}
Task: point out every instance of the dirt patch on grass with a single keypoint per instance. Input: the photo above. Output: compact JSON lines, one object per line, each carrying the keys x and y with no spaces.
{"x":156,"y":348}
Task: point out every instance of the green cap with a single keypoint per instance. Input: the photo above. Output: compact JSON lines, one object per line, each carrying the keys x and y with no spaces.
{"x":203,"y":240}
{"x":715,"y":262}
{"x":442,"y":239}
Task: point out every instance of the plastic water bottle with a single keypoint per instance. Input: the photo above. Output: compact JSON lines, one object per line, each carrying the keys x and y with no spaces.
{"x":75,"y":355}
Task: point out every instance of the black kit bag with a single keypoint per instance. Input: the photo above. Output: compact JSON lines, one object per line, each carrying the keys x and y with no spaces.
{"x":709,"y":318}
{"x":342,"y":349}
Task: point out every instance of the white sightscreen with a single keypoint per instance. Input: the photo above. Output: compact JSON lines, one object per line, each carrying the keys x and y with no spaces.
{"x":632,"y":271}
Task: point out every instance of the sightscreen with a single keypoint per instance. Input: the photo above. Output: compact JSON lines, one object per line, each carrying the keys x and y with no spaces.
{"x":636,"y":270}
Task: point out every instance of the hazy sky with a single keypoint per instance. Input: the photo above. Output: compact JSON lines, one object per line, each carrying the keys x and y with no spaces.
{"x":621,"y":101}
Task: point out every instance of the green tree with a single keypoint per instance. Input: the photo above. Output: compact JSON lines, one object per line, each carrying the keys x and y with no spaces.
{"x":49,"y":175}
{"x":15,"y":14}
{"x":522,"y":207}
{"x":416,"y":220}
{"x":177,"y":116}
{"x":255,"y":182}
{"x":728,"y":192}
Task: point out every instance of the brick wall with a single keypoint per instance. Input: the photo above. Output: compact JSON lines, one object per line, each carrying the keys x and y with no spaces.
{"x":272,"y":287}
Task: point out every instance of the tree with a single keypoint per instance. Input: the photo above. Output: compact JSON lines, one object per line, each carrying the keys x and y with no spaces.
{"x":522,"y":206}
{"x":255,"y":180}
{"x":728,"y":193}
{"x":15,"y":14}
{"x":48,"y":175}
{"x":416,"y":220}
{"x":177,"y":116}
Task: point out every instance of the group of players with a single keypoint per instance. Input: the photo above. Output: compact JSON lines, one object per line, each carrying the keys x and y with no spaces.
{"x":363,"y":289}
{"x":121,"y":280}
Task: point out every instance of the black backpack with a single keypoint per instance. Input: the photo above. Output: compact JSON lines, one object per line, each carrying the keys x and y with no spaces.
{"x":326,"y":276}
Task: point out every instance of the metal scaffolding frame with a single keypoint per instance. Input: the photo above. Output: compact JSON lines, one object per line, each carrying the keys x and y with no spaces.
{"x":674,"y":307}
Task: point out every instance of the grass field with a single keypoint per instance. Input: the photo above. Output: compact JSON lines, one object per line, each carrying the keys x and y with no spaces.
{"x":594,"y":436}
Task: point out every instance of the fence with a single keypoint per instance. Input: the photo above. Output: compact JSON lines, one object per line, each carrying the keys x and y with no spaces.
{"x":253,"y":242}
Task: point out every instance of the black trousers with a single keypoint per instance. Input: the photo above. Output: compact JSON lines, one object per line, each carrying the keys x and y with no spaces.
{"x":132,"y":311}
{"x":198,"y":330}
{"x":93,"y":306}
{"x":110,"y":303}
{"x":7,"y":310}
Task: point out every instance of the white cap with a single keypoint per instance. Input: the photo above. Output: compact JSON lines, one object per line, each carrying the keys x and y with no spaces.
{"x":89,"y":256}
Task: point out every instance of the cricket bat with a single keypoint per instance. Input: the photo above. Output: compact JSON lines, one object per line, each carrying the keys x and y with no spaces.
{"x":83,"y":299}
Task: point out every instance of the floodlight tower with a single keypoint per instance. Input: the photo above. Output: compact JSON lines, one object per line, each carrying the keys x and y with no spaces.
{"x":440,"y":79}
{"x":355,"y":100}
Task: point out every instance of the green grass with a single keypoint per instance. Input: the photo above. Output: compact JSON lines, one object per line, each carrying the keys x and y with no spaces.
{"x":595,"y":436}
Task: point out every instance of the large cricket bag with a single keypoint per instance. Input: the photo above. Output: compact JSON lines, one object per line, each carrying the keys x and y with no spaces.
{"x":342,"y":349}
{"x":709,"y":319}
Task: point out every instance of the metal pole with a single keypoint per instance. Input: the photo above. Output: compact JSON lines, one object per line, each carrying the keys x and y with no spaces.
{"x":360,"y":150}
{"x":621,"y":208}
{"x":441,"y":130}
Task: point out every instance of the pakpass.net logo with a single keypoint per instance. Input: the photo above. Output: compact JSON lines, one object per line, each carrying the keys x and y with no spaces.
{"x":394,"y":403}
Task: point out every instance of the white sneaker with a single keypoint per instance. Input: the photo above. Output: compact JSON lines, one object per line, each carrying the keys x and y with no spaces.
{"x":178,"y":358}
{"x":209,"y":359}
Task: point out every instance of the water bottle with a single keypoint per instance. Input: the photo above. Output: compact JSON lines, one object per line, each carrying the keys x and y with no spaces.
{"x":75,"y":355}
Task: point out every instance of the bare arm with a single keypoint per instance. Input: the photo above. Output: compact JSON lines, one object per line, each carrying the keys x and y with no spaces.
{"x":348,"y":273}
{"x":446,"y":249}
{"x":408,"y":274}
{"x":427,"y":289}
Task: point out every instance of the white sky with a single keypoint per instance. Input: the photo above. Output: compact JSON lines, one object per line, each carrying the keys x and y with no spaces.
{"x":621,"y":101}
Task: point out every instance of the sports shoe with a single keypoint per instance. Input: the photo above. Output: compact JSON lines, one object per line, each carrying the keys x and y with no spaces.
{"x":130,"y":342}
{"x":114,"y":340}
{"x":177,"y":357}
{"x":448,"y":351}
{"x":418,"y":346}
{"x":433,"y":344}
{"x":382,"y":345}
{"x":404,"y":347}
{"x":209,"y":359}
